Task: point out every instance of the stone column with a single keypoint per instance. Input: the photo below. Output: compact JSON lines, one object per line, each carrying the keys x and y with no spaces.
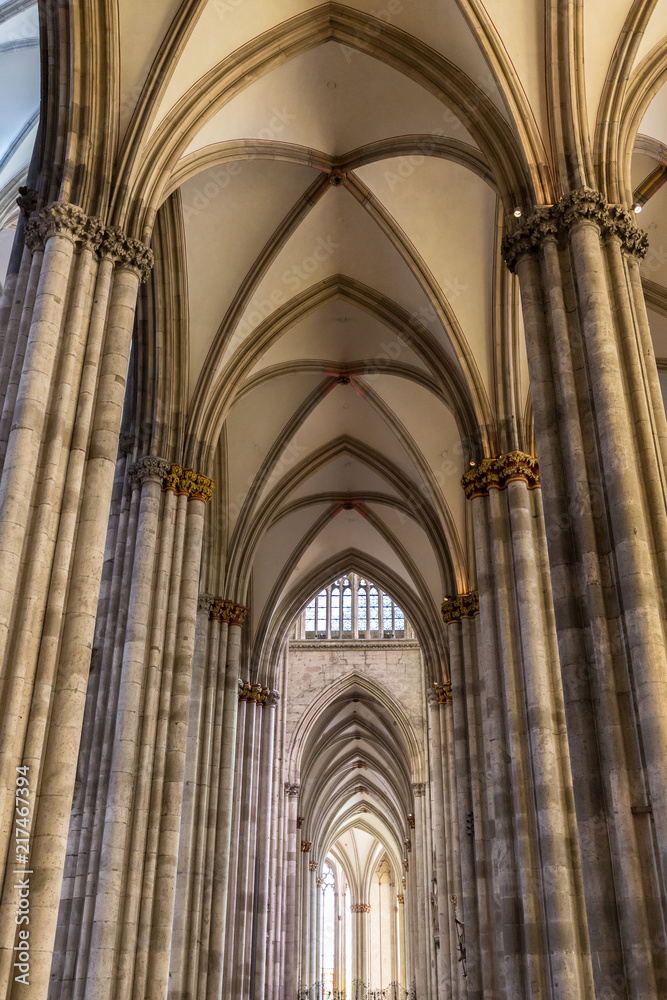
{"x":512,"y":697}
{"x":360,"y":952}
{"x":292,"y":857}
{"x":69,"y":364}
{"x":266,"y":821}
{"x":600,"y":430}
{"x":402,"y":971}
{"x":435,"y":701}
{"x":224,"y":867}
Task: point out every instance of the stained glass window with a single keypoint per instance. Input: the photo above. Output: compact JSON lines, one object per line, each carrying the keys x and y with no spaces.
{"x":362,"y":609}
{"x":347,"y":607}
{"x":335,"y":610}
{"x":375,"y":610}
{"x":387,"y":613}
{"x":332,"y":613}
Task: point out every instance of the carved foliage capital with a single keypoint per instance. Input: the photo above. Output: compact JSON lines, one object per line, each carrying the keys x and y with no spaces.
{"x":497,"y":473}
{"x":306,"y":846}
{"x":360,"y":907}
{"x":254,"y":693}
{"x":86,"y":231}
{"x":186,"y":482}
{"x":147,"y":470}
{"x":419,"y":788}
{"x":581,"y":205}
{"x":443,"y":693}
{"x":206,"y":602}
{"x":460,"y":606}
{"x":292,"y":788}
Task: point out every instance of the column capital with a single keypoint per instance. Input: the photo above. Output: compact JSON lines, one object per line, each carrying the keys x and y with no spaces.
{"x":254,"y":692}
{"x":360,"y":907}
{"x":439,"y":694}
{"x":237,"y":614}
{"x":312,"y":865}
{"x":186,"y":482}
{"x":292,"y":788}
{"x":460,"y":606}
{"x":400,"y":897}
{"x":206,"y":602}
{"x":148,"y":469}
{"x":585,"y":204}
{"x":419,"y":788}
{"x":306,"y":846}
{"x":61,"y":218}
{"x":497,"y":473}
{"x":221,"y":609}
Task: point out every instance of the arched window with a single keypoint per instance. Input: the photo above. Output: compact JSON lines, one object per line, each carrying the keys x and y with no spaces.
{"x":387,"y":613}
{"x":321,"y":625}
{"x":335,"y":611}
{"x":374,"y":611}
{"x":347,"y":607}
{"x":362,"y":608}
{"x":399,"y":622}
{"x":310,"y":620}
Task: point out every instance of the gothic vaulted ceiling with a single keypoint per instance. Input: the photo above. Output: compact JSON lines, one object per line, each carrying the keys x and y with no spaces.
{"x":326,"y":186}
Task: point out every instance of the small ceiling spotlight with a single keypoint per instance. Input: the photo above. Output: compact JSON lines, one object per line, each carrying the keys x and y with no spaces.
{"x":636,"y":208}
{"x":518,"y":213}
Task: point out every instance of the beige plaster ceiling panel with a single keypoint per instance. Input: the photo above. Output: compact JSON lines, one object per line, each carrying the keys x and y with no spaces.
{"x":652,"y":221}
{"x":348,"y":530}
{"x":603,"y":24}
{"x":230,"y":213}
{"x":253,"y":427}
{"x":655,"y":32}
{"x":340,"y":332}
{"x":225,"y":25}
{"x":336,"y":237}
{"x":331,"y":99}
{"x":449,"y":215}
{"x":344,"y":474}
{"x":654,"y":122}
{"x":344,"y":412}
{"x":142,"y":27}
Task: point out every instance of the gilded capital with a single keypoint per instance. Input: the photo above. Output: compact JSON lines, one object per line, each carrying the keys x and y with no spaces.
{"x":585,"y":204}
{"x":497,"y":473}
{"x":443,"y":693}
{"x":306,"y":846}
{"x":312,"y":865}
{"x":360,"y":907}
{"x":400,"y":897}
{"x":197,"y":487}
{"x":238,"y":614}
{"x":419,"y":788}
{"x":254,"y":692}
{"x":460,"y":606}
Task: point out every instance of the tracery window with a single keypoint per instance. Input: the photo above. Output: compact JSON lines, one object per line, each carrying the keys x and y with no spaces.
{"x":353,"y":608}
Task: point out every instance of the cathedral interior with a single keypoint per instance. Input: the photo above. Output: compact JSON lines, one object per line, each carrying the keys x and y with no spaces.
{"x":333,"y":500}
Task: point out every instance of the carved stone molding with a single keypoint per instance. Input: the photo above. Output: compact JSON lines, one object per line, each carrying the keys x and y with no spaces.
{"x":554,"y":220}
{"x":419,"y":788}
{"x":411,"y":821}
{"x":272,"y":698}
{"x":360,"y":907}
{"x":408,"y":845}
{"x":460,"y":606}
{"x":27,"y":201}
{"x":292,"y":788}
{"x":147,"y":470}
{"x":306,"y":846}
{"x":497,"y":473}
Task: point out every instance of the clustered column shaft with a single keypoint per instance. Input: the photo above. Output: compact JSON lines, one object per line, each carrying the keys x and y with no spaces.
{"x":66,"y":343}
